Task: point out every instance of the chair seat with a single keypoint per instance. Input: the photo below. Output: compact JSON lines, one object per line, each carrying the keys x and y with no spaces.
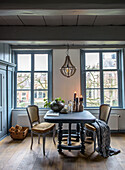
{"x":43,"y":127}
{"x":90,"y":127}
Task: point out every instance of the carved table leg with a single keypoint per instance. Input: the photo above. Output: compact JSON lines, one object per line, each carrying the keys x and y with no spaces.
{"x":82,"y":138}
{"x":59,"y":137}
{"x":69,"y":136}
{"x":77,"y":133}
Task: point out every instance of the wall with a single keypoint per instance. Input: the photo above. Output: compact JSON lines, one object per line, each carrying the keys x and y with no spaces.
{"x":65,"y":87}
{"x":62,"y":86}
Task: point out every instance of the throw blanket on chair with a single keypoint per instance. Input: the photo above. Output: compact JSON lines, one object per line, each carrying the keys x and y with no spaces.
{"x":103,"y":138}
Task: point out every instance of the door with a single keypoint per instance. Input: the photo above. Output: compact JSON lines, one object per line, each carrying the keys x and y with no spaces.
{"x":3,"y":116}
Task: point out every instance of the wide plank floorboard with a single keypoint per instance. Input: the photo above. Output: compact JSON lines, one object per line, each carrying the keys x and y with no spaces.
{"x":16,"y":155}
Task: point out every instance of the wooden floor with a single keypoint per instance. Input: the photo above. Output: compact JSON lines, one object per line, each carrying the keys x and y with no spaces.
{"x":16,"y":155}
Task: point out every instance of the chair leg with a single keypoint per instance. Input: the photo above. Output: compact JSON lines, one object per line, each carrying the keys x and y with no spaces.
{"x":94,"y":138}
{"x":38,"y":139}
{"x":54,"y":133}
{"x":44,"y":145}
{"x":31,"y":140}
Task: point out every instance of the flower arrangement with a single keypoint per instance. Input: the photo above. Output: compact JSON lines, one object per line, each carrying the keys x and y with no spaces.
{"x":48,"y":104}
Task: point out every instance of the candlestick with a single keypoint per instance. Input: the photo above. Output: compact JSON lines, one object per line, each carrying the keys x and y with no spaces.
{"x":75,"y":96}
{"x":77,"y":104}
{"x":76,"y":99}
{"x":81,"y":108}
{"x":74,"y":106}
{"x":81,"y":98}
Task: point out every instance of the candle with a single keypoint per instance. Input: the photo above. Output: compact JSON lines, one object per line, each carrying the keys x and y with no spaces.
{"x":81,"y":99}
{"x":76,"y":99}
{"x":74,"y":96}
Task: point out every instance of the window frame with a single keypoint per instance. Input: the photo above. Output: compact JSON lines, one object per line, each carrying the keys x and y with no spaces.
{"x":49,"y":71}
{"x":101,"y":70}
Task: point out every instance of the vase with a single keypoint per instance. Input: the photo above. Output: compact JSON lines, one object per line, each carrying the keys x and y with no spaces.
{"x":56,"y":106}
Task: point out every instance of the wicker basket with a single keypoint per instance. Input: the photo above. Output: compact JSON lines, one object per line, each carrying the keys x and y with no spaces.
{"x":20,"y":135}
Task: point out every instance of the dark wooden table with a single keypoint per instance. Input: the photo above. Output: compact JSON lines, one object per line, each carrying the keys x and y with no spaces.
{"x":75,"y":117}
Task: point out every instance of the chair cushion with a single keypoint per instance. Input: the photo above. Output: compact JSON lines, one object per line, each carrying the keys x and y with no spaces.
{"x":90,"y":127}
{"x":43,"y":127}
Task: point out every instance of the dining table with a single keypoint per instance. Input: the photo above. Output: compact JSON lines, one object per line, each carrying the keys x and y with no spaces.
{"x":80,"y":118}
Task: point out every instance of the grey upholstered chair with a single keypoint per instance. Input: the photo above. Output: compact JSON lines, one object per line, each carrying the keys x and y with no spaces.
{"x":38,"y":128}
{"x":104,"y":114}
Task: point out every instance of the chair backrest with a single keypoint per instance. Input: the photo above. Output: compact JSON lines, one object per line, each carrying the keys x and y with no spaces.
{"x":105,"y":111}
{"x":33,"y":114}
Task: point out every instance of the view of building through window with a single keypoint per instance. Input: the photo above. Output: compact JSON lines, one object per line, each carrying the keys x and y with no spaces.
{"x":101,"y":78}
{"x":32,"y":79}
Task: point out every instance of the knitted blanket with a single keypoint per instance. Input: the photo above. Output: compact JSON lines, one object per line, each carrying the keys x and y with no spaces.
{"x":103,"y":138}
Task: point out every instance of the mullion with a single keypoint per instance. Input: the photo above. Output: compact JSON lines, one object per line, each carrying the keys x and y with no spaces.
{"x":23,"y":71}
{"x":101,"y":79}
{"x":23,"y":89}
{"x":15,"y":82}
{"x":40,"y":71}
{"x":119,"y":80}
{"x":84,"y":77}
{"x":110,"y":88}
{"x":40,"y":90}
{"x":32,"y":78}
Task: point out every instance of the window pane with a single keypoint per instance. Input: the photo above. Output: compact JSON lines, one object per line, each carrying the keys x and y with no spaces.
{"x":109,"y":60}
{"x":39,"y":97}
{"x":111,"y":97}
{"x":24,"y":62}
{"x":23,"y":98}
{"x":41,"y":62}
{"x":23,"y":80}
{"x":40,"y":81}
{"x":92,"y":79}
{"x":93,"y":98}
{"x":92,"y":61}
{"x":110,"y":79}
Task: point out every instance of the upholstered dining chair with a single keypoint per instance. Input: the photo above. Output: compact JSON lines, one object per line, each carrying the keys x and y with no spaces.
{"x":38,"y":128}
{"x":104,"y":113}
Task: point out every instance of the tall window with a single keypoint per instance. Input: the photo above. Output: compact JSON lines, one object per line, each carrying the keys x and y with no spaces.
{"x":101,"y":78}
{"x":33,"y":78}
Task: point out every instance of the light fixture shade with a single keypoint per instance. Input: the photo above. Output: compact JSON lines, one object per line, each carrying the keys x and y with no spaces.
{"x":68,"y":69}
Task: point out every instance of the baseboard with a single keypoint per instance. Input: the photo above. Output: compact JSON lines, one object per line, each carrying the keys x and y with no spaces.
{"x":117,"y":131}
{"x":3,"y":137}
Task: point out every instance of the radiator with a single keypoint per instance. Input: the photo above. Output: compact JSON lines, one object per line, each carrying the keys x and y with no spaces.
{"x":113,"y":123}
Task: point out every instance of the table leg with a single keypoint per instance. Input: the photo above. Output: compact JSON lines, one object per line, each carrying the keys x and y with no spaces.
{"x":77,"y":133}
{"x":82,"y":138}
{"x":69,"y":136}
{"x":59,"y":137}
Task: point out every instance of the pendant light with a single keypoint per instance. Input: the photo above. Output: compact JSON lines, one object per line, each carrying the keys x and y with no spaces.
{"x":68,"y":69}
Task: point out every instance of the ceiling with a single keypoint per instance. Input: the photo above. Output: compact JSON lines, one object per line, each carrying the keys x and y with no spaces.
{"x":50,"y":15}
{"x":63,"y":20}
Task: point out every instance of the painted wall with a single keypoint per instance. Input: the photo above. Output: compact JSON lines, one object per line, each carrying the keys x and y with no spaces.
{"x":62,"y":86}
{"x":65,"y":87}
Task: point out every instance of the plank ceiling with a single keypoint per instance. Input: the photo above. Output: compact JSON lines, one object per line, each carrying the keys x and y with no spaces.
{"x":65,"y":20}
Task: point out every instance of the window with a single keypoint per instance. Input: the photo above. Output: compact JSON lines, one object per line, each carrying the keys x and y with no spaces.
{"x":33,"y":78}
{"x":101,"y":78}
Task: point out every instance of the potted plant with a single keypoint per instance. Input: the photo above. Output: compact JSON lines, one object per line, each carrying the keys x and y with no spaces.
{"x":56,"y":105}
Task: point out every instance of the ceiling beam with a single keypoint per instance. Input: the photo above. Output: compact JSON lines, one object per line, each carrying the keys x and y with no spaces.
{"x":69,"y":33}
{"x":61,"y":4}
{"x":50,"y":12}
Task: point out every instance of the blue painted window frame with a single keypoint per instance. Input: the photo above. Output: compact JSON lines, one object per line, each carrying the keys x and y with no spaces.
{"x":50,"y":75}
{"x":119,"y":73}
